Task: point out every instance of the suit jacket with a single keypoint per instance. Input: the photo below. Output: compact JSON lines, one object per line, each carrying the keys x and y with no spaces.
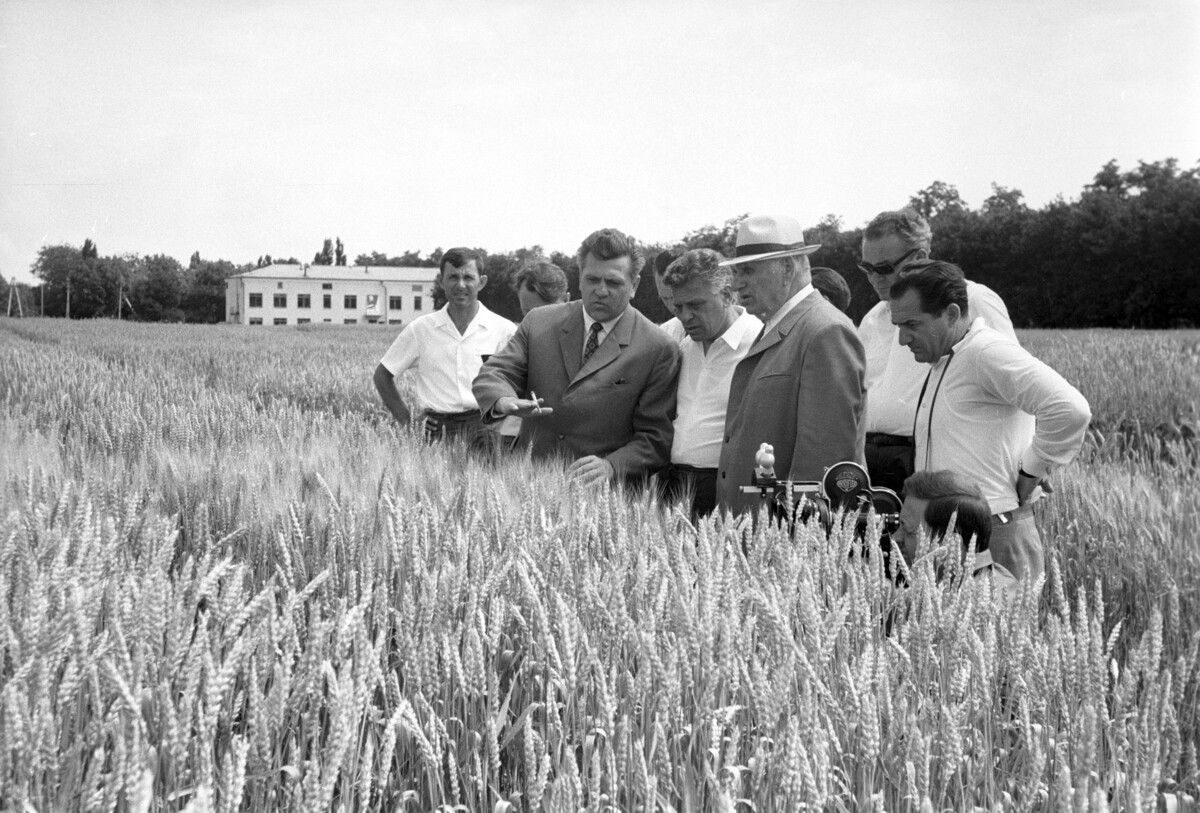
{"x":618,"y":406}
{"x":800,"y":388}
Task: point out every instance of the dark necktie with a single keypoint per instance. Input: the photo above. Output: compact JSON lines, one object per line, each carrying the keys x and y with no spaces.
{"x":593,"y":341}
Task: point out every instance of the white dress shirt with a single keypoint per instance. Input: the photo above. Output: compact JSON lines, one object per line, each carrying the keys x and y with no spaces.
{"x":605,"y":329}
{"x":786,"y":307}
{"x":674,"y":328}
{"x":446,"y":362}
{"x":894,"y":377}
{"x":977,"y":416}
{"x":703,"y":392}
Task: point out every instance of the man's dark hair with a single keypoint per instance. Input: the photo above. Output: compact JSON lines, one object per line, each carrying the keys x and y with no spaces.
{"x":907,"y":224}
{"x":664,"y":258}
{"x":949,"y":492}
{"x":832,"y":286}
{"x":938,"y":284}
{"x":699,"y":263}
{"x":611,"y":244}
{"x":459,"y":256}
{"x":544,"y":278}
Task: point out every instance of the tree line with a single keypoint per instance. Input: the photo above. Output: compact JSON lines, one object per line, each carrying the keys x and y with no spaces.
{"x":1122,"y":255}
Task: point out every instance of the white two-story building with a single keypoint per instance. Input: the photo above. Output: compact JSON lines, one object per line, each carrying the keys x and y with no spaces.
{"x":329,"y":294}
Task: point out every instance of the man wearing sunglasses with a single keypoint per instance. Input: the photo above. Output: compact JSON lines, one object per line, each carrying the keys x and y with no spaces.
{"x":891,"y":242}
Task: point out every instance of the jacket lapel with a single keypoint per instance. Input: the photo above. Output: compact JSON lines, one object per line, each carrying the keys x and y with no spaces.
{"x":609,"y":349}
{"x":775,"y":335}
{"x":570,"y":342}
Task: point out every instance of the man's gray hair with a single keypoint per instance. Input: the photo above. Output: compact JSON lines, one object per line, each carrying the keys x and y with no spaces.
{"x":907,"y":224}
{"x":699,"y":263}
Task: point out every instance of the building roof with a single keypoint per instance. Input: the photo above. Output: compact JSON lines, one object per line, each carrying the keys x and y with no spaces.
{"x":343,"y":273}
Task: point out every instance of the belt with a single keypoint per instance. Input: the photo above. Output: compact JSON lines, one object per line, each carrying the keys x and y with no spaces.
{"x":880,"y":439}
{"x":453,"y":416}
{"x":692,"y":469}
{"x":1019,"y":512}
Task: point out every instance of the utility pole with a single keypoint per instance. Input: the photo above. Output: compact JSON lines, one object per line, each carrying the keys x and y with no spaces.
{"x":120,"y":295}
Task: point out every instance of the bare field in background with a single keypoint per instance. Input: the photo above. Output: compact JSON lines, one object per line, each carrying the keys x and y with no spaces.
{"x":228,"y":581}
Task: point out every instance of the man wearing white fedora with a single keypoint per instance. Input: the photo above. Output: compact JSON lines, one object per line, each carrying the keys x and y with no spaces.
{"x":800,"y":388}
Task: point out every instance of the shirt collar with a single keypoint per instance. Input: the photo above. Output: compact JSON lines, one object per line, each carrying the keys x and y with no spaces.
{"x":786,"y":307}
{"x":606,"y":326}
{"x":744,"y":323}
{"x":442,"y":316}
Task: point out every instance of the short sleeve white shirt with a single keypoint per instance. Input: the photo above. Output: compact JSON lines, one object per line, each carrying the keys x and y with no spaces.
{"x":703,"y":393}
{"x":894,"y":377}
{"x":446,"y":362}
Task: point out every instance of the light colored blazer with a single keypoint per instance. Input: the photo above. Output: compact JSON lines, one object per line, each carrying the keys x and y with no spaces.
{"x":618,"y":406}
{"x":800,"y":388}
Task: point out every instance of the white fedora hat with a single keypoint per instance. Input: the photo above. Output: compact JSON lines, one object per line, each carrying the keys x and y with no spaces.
{"x":764,"y":237}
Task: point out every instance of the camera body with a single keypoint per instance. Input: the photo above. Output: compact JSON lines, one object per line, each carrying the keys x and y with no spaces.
{"x":844,"y":486}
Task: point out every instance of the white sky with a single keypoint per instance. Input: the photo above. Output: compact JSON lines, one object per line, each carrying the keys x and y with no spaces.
{"x":243,"y":128}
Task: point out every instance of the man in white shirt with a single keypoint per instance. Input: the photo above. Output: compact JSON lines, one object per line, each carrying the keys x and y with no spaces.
{"x":890,"y":242}
{"x":987,"y":410}
{"x":800,"y":387}
{"x":447,"y":348}
{"x":718,"y":335}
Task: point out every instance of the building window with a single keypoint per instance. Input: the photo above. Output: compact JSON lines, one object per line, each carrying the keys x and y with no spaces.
{"x":256,"y":320}
{"x":326,"y":321}
{"x":350,"y":321}
{"x":303,"y":321}
{"x":416,"y":303}
{"x":280,"y":320}
{"x":326,"y":286}
{"x":350,"y":301}
{"x":395,"y":303}
{"x":256,"y":301}
{"x":327,"y":302}
{"x":417,"y":288}
{"x":395,"y":321}
{"x":303,"y":301}
{"x":279,"y":285}
{"x":281,"y":300}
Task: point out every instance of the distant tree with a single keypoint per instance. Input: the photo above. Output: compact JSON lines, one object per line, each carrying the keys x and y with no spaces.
{"x":204,"y":299}
{"x":937,"y":199}
{"x":89,"y":249}
{"x":722,"y":239}
{"x":339,"y":253}
{"x":325,"y":255}
{"x":62,"y":270}
{"x":158,"y":289}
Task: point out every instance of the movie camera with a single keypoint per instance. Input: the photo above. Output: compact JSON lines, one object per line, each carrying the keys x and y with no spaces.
{"x":845,"y":486}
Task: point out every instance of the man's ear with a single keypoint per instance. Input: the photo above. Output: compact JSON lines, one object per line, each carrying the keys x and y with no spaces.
{"x":954,"y":311}
{"x":482,"y":281}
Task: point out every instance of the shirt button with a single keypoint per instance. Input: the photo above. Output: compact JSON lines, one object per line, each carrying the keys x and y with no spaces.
{"x":562,"y":437}
{"x":722,"y":475}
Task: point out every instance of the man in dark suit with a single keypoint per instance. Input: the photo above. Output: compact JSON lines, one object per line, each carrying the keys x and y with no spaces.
{"x":800,"y":388}
{"x":593,"y":380}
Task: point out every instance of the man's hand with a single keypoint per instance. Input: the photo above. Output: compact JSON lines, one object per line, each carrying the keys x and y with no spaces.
{"x":521,"y":407}
{"x":589,"y":470}
{"x":1026,"y":484}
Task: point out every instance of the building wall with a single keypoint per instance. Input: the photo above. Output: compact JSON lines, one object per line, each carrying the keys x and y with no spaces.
{"x":238,"y":293}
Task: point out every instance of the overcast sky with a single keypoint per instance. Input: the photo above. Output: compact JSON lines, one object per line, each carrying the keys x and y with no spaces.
{"x":243,"y":128}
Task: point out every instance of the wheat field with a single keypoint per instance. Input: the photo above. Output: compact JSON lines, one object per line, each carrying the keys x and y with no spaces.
{"x":229,"y":582}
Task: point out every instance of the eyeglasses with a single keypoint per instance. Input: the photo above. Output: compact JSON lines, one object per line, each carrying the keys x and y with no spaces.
{"x":885,"y":268}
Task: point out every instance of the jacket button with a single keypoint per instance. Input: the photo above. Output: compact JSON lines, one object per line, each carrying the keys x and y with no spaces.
{"x":562,"y":437}
{"x":722,"y":475}
{"x":727,"y":438}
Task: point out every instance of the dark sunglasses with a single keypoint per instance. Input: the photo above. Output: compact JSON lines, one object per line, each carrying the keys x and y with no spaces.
{"x":885,"y":268}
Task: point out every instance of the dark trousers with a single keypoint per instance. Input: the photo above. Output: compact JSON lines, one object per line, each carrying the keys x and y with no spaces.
{"x":889,"y":460}
{"x":678,"y":482}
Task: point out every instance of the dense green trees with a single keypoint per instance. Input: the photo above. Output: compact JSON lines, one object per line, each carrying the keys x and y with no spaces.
{"x":1122,"y":255}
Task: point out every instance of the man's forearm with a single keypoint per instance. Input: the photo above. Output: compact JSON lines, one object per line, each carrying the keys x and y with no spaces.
{"x":385,"y":384}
